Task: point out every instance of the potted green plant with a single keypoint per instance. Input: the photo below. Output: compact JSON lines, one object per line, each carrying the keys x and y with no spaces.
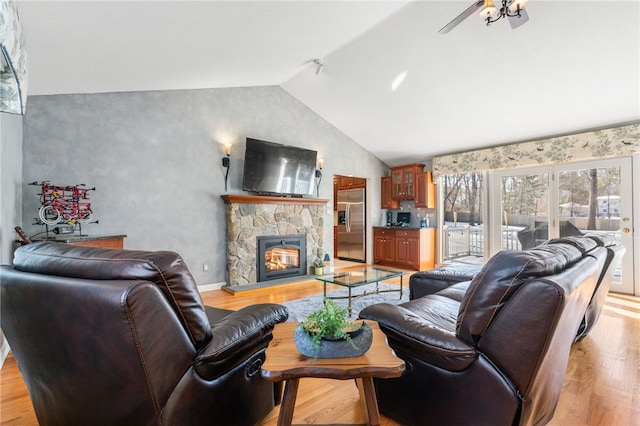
{"x":326,"y":333}
{"x":318,"y":266}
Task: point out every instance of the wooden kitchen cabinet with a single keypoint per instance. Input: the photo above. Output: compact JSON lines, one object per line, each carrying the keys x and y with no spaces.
{"x":383,"y":245}
{"x":405,"y":248}
{"x":350,"y":182}
{"x":403,"y":181}
{"x":425,"y":191}
{"x":387,"y":201}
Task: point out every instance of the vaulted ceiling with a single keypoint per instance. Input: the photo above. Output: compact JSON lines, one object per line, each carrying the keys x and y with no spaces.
{"x":574,"y":66}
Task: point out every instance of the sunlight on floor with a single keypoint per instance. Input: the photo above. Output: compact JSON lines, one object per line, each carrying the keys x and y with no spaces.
{"x":628,"y":306}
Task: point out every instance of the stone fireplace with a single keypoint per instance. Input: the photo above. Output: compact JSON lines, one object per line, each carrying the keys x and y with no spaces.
{"x":252,"y":217}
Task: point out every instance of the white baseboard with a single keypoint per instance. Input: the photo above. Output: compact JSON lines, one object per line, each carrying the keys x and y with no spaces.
{"x":211,"y":287}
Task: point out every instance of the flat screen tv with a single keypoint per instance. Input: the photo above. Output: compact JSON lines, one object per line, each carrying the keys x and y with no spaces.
{"x":273,"y":168}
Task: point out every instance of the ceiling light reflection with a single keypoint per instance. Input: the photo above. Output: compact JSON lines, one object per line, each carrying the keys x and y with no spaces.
{"x":398,"y":80}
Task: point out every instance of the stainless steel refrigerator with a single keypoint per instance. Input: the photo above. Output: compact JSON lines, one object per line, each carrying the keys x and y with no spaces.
{"x":351,"y":223}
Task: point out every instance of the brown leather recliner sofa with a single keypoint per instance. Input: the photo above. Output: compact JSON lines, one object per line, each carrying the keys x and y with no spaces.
{"x":427,"y":282}
{"x":122,"y":337}
{"x":493,"y":350}
{"x":615,"y":252}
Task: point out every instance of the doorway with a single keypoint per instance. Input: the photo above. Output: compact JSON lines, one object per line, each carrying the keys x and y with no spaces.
{"x":531,"y":205}
{"x":350,"y":218}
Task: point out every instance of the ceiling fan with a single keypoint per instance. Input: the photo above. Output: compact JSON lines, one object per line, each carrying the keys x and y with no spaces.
{"x":512,"y":9}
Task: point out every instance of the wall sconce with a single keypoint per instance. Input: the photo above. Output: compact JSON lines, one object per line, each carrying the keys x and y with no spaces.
{"x":319,"y":65}
{"x":225,"y":163}
{"x":319,"y":175}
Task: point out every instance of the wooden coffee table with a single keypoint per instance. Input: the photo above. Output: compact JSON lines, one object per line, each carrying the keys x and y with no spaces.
{"x":285,"y":363}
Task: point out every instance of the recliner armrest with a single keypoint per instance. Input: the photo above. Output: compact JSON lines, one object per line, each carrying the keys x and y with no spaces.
{"x":237,"y":336}
{"x":428,"y":339}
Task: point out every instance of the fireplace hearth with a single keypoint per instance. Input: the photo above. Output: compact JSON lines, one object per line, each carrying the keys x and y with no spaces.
{"x":280,"y":256}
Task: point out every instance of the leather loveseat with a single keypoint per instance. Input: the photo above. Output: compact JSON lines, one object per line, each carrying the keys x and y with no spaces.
{"x":493,"y":350}
{"x":118,"y":337}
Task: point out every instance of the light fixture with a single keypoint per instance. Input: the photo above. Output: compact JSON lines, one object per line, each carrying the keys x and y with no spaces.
{"x":226,"y":161}
{"x":319,"y":65}
{"x":517,"y":5}
{"x":319,"y":175}
{"x":511,"y":8}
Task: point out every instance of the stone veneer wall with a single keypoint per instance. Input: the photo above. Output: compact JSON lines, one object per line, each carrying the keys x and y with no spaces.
{"x":248,"y":220}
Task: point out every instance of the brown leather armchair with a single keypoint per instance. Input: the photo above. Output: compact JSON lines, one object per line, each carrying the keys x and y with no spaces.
{"x":122,"y":337}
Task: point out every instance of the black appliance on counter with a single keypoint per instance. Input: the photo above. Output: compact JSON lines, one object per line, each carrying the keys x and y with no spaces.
{"x":403,"y":219}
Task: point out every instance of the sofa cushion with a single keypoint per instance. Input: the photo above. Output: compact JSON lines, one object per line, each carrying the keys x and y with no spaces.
{"x":426,"y":329}
{"x":603,"y":239}
{"x":501,"y":277}
{"x":456,"y":291}
{"x":164,"y":268}
{"x":431,"y":281}
{"x":582,"y":244}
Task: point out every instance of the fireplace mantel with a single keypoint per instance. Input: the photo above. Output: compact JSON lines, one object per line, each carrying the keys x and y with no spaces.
{"x":263,"y":199}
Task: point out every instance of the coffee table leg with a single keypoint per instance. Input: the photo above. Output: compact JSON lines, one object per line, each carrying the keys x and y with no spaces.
{"x":288,"y":402}
{"x":368,"y":401}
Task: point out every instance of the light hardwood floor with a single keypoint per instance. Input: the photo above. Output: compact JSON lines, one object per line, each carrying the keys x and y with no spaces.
{"x":602,"y":383}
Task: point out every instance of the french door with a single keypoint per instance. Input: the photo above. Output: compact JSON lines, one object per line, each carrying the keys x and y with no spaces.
{"x":528,"y":206}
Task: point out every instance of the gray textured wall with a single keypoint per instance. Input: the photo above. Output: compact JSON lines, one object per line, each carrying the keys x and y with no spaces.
{"x":154,"y":158}
{"x":10,"y":182}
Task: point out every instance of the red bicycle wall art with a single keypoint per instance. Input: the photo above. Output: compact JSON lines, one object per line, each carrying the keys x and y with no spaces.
{"x":64,"y":204}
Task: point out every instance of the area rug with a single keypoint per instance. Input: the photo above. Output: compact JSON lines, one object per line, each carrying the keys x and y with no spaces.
{"x":299,"y":309}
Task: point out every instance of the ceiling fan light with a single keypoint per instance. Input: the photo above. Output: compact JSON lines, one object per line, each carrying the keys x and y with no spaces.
{"x":488,"y":12}
{"x":517,"y":4}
